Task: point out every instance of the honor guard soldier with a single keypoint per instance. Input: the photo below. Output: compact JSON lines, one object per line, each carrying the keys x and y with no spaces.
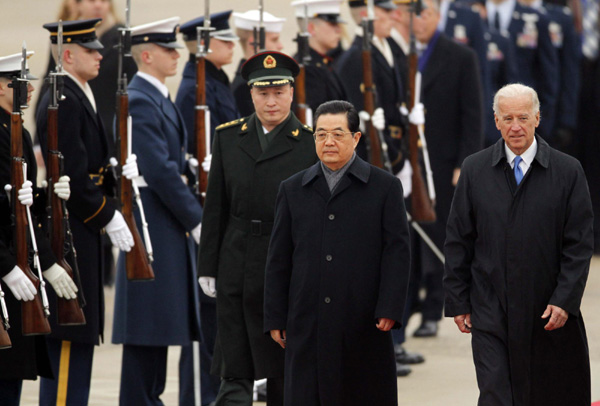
{"x":245,"y":24}
{"x":251,"y":156}
{"x":322,"y":83}
{"x":86,"y":150}
{"x":150,"y":316}
{"x":27,"y":358}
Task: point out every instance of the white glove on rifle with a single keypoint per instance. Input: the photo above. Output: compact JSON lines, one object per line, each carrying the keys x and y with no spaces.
{"x":61,"y":282}
{"x":193,"y":165}
{"x":206,"y":163}
{"x":405,"y":176}
{"x":417,"y":114}
{"x":119,"y":233}
{"x":20,"y":286}
{"x":378,"y":119}
{"x":208,"y":285}
{"x":130,"y":169}
{"x":196,"y":233}
{"x":25,"y":195}
{"x":62,"y":187}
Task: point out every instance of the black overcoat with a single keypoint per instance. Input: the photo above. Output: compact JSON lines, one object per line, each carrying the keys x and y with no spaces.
{"x":236,"y":226}
{"x":338,"y":262}
{"x":511,"y":251}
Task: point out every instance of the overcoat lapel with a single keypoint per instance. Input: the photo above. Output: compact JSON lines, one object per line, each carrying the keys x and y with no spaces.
{"x":248,"y":142}
{"x":283,"y":142}
{"x":315,"y":179}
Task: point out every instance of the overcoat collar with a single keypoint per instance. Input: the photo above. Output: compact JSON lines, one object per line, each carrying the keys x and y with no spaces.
{"x":156,"y":96}
{"x":542,"y":155}
{"x":359,"y":169}
{"x":281,"y":144}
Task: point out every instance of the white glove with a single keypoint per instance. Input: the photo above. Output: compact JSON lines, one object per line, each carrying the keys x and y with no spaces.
{"x":417,"y":114}
{"x":193,"y":165}
{"x":405,"y":176}
{"x":130,"y":169}
{"x":206,"y":163}
{"x":403,"y":110}
{"x":196,"y":233}
{"x":208,"y":285}
{"x":119,"y":233}
{"x":61,"y":282}
{"x":20,"y":286}
{"x":62,"y":187}
{"x":25,"y":195}
{"x":378,"y":119}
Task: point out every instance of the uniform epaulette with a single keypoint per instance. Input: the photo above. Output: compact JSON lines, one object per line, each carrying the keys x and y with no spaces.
{"x":230,"y":123}
{"x":308,"y":128}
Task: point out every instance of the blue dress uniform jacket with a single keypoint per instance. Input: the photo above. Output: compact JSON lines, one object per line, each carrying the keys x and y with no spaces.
{"x":510,"y":251}
{"x":219,"y":99}
{"x":237,"y":222}
{"x":86,"y":151}
{"x":165,"y":311}
{"x":537,"y":61}
{"x":337,"y":262}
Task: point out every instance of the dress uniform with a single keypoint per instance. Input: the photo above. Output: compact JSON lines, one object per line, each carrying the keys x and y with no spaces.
{"x":151,"y":316}
{"x":86,"y":150}
{"x":248,"y":164}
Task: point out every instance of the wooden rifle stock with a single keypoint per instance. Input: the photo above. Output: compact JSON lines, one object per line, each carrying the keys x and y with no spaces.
{"x":422,"y":206}
{"x":200,"y":127}
{"x":34,"y":321}
{"x":69,"y":312}
{"x":4,"y":338}
{"x":300,"y":94}
{"x":136,"y":261}
{"x":375,"y":153}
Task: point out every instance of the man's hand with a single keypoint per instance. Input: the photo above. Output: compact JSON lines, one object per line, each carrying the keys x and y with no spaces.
{"x":383,"y":324}
{"x":558,"y":317}
{"x":20,"y":286}
{"x":455,"y":176}
{"x":279,"y":337}
{"x":61,"y":282}
{"x":208,"y":285}
{"x":206,"y":163}
{"x":119,"y":233}
{"x":196,"y":233}
{"x":62,"y":188}
{"x":463,"y":322}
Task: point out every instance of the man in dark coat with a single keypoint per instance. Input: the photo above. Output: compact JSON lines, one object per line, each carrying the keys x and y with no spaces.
{"x":151,"y":316}
{"x":330,"y":305}
{"x":518,"y":249}
{"x":86,"y":150}
{"x":251,"y":156}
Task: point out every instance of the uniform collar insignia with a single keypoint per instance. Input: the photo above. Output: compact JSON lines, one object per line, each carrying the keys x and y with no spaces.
{"x":296,"y":132}
{"x":245,"y":127}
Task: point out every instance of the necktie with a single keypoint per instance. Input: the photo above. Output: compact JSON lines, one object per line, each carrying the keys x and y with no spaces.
{"x":497,"y":21}
{"x":590,"y":29}
{"x":517,"y":169}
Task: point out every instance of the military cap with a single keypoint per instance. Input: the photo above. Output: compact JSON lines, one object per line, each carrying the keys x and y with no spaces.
{"x":10,"y":66}
{"x":386,"y":4}
{"x":162,"y":32}
{"x":270,"y":68}
{"x":80,"y":32}
{"x":251,"y":19}
{"x":220,"y":23}
{"x":328,"y":10}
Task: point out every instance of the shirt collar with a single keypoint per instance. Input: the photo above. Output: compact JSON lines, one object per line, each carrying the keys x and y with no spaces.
{"x":505,"y":9}
{"x":86,"y":89}
{"x":155,"y":82}
{"x":527,"y":156}
{"x":402,"y":43}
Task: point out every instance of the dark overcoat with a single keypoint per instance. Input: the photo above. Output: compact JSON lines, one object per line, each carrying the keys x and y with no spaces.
{"x":237,"y":223}
{"x":511,"y":251}
{"x":86,"y":150}
{"x":165,"y":311}
{"x":27,"y":358}
{"x":337,"y":262}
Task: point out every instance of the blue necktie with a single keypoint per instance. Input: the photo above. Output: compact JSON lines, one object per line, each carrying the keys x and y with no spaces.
{"x":517,"y":169}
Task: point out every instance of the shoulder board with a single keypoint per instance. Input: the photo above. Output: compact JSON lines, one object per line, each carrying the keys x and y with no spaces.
{"x":307,"y":128}
{"x":230,"y":123}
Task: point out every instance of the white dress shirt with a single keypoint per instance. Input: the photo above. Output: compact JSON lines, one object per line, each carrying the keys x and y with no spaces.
{"x":527,"y":157}
{"x":86,"y":89}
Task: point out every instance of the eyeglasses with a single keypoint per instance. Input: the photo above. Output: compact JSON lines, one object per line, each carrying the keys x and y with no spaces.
{"x":337,"y":135}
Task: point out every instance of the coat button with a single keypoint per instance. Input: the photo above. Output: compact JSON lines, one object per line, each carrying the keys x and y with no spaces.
{"x":328,"y":257}
{"x":331,"y":216}
{"x":327,"y":300}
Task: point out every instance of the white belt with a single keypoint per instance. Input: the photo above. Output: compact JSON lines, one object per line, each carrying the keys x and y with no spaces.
{"x":141,"y":182}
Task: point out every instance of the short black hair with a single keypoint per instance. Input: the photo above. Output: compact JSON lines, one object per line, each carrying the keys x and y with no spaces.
{"x":340,"y":107}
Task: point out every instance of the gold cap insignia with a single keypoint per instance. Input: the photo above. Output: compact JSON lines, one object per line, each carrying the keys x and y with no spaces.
{"x":296,"y":132}
{"x":146,"y":39}
{"x":269,"y":62}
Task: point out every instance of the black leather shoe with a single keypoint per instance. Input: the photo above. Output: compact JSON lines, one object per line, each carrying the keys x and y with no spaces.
{"x":429,"y":328}
{"x":402,"y":369}
{"x":410,"y":358}
{"x":261,"y":391}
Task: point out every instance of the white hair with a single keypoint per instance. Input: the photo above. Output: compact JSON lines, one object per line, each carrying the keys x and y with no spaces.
{"x":517,"y":90}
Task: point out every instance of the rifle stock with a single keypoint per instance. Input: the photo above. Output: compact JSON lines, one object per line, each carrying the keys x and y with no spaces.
{"x":34,"y":321}
{"x":4,"y":338}
{"x":200,"y":126}
{"x":300,"y":94}
{"x":375,"y":153}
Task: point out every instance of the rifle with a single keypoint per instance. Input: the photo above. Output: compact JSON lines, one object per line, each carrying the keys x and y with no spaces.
{"x":138,"y":260}
{"x":259,"y":34}
{"x":4,"y":337}
{"x":34,"y":314}
{"x":302,"y":109}
{"x":422,"y":206}
{"x":202,"y":117}
{"x":69,"y":312}
{"x":376,"y":146}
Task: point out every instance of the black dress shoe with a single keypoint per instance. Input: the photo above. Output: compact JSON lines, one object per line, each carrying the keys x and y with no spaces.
{"x":402,"y":369}
{"x":410,"y":358}
{"x":429,"y":328}
{"x":261,"y":391}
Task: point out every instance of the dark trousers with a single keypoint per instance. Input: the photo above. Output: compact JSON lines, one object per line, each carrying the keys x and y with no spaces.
{"x":143,"y":375}
{"x":238,"y":392}
{"x":493,"y":369}
{"x":71,"y":365}
{"x":10,"y":391}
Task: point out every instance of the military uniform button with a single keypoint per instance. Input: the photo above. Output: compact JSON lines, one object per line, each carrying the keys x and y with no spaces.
{"x":331,"y":216}
{"x":327,"y":300}
{"x":328,"y":257}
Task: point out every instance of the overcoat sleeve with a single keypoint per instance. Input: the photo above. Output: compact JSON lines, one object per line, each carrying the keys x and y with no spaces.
{"x":161,"y":173}
{"x":215,"y":216}
{"x":577,"y":247}
{"x":458,"y":249}
{"x":279,"y":266}
{"x":471,"y":139}
{"x":395,"y":257}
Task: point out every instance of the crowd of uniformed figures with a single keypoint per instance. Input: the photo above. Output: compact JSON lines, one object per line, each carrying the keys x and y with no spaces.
{"x":466,"y":51}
